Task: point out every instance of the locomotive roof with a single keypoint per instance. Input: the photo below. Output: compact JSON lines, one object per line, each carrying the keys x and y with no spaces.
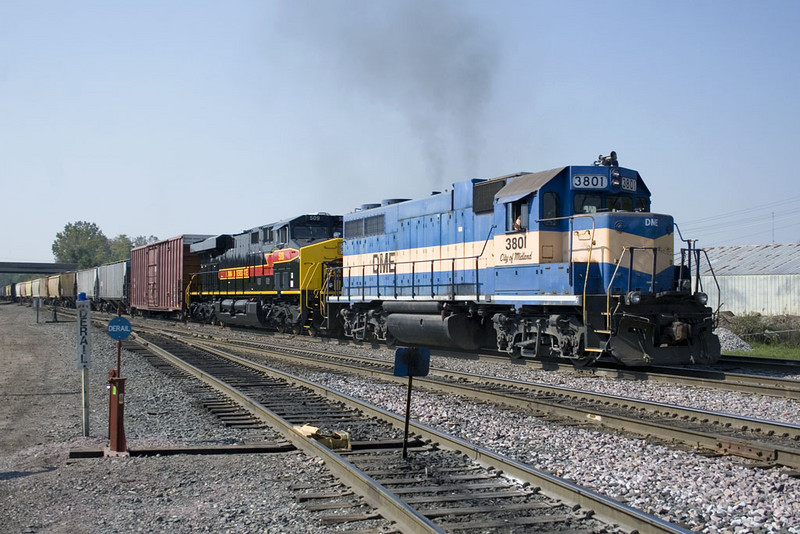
{"x":524,"y":184}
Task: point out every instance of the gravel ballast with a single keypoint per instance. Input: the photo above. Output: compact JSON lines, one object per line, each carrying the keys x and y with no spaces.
{"x":250,"y":493}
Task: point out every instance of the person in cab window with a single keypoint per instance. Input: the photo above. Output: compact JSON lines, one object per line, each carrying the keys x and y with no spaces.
{"x":517,"y":226}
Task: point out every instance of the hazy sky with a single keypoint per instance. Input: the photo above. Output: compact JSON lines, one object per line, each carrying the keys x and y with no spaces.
{"x":165,"y":118}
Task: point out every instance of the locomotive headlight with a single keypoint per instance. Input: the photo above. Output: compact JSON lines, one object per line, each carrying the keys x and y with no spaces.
{"x":634,"y":297}
{"x":702,"y":298}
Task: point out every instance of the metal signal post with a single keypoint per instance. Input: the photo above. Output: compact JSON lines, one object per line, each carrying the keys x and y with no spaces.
{"x":84,"y":308}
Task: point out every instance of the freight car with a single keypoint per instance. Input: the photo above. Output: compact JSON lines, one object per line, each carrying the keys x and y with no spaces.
{"x":566,"y":263}
{"x":113,"y":281}
{"x":159,"y":275}
{"x":268,"y":276}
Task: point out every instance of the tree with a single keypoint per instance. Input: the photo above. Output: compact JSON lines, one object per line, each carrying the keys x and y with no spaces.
{"x":138,"y":241}
{"x":82,"y":243}
{"x":120,"y":248}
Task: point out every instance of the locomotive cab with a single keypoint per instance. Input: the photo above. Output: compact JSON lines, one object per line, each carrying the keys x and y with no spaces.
{"x":592,"y":243}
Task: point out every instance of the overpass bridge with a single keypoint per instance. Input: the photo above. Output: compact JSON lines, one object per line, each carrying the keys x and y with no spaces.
{"x":36,"y":268}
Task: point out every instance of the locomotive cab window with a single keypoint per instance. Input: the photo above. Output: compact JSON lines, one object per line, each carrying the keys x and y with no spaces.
{"x":620,"y":203}
{"x":283,"y":234}
{"x":549,"y":209}
{"x":517,"y":216}
{"x":254,"y":238}
{"x":642,"y":204}
{"x":587,"y":203}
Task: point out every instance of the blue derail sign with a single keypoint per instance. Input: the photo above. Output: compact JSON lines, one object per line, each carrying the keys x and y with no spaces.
{"x":119,"y":328}
{"x":417,"y":360}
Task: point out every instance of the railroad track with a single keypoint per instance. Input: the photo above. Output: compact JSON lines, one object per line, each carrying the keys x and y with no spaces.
{"x":725,"y":376}
{"x":705,"y":377}
{"x":447,"y":484}
{"x":768,"y":442}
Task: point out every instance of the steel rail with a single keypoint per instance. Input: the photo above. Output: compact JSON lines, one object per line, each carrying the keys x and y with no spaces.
{"x":373,"y":493}
{"x":604,"y":508}
{"x":760,"y":385}
{"x":746,"y":448}
{"x":705,"y":378}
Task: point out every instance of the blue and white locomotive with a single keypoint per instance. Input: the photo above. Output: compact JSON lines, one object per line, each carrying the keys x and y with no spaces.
{"x":567,"y":263}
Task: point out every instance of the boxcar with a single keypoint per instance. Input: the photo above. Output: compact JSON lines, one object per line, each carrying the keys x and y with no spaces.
{"x":160,"y":273}
{"x":112,"y":285}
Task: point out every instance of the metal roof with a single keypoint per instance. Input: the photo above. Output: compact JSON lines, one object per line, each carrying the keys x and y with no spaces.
{"x":527,"y":183}
{"x":755,"y":259}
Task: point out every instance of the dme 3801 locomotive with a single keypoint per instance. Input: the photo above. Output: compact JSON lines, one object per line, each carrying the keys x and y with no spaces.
{"x":568,"y":262}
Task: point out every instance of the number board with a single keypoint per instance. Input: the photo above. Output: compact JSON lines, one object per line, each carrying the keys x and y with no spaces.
{"x":589,"y":181}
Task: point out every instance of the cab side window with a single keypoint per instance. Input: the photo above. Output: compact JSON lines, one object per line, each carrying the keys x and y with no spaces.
{"x":517,"y":216}
{"x":550,"y":208}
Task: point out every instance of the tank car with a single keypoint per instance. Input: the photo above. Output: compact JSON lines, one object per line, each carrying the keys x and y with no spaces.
{"x":567,"y":263}
{"x":269,"y":276}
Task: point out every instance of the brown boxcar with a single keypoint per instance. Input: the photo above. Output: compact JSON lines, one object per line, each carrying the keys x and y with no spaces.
{"x":160,"y":273}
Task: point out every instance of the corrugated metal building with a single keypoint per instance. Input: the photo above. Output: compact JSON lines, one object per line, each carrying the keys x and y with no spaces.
{"x":761,"y":279}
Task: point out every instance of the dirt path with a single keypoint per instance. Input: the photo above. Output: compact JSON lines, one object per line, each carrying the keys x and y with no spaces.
{"x":33,"y":394}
